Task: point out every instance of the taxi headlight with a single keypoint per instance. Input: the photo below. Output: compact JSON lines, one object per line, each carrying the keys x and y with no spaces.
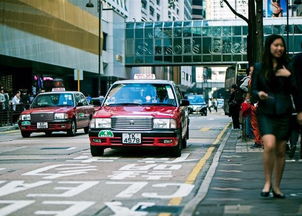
{"x":100,"y":123}
{"x":25,"y":117}
{"x":164,"y":123}
{"x":60,"y":116}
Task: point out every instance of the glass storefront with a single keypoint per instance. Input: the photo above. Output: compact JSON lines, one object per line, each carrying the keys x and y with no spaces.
{"x":195,"y":42}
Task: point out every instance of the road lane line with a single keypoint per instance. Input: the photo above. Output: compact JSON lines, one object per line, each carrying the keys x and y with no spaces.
{"x":196,"y":170}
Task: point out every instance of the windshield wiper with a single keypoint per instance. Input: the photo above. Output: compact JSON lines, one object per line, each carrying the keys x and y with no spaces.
{"x":125,"y":104}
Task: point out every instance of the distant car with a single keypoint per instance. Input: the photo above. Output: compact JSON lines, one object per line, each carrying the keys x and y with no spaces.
{"x":197,"y":104}
{"x":220,"y":102}
{"x":56,"y":111}
{"x":141,"y":113}
{"x":97,"y":102}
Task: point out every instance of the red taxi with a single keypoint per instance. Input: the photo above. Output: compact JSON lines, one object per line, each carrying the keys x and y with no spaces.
{"x":141,"y":113}
{"x":56,"y":111}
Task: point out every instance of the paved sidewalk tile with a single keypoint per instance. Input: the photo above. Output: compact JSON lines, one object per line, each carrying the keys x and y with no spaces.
{"x":238,"y":180}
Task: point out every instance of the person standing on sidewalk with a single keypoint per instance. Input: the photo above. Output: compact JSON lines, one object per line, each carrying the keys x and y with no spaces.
{"x":272,"y":85}
{"x":234,"y":102}
{"x":296,"y":67}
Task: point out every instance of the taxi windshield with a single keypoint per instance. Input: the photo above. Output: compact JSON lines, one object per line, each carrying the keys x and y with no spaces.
{"x":196,"y":99}
{"x":140,"y":94}
{"x":53,"y":100}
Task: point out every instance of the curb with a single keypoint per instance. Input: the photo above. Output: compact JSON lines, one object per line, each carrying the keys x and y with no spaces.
{"x":9,"y":128}
{"x":203,"y":189}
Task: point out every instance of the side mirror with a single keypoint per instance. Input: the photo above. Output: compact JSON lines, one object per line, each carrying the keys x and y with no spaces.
{"x":184,"y":102}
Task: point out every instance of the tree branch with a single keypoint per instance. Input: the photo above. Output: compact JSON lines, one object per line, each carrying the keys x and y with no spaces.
{"x":235,"y":12}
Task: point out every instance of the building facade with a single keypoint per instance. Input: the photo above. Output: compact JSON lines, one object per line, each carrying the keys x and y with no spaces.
{"x":162,"y":10}
{"x":53,"y":39}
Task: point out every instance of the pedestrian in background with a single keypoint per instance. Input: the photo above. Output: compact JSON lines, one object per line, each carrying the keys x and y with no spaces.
{"x":16,"y":100}
{"x":234,"y":102}
{"x":272,"y":86}
{"x":246,"y":105}
{"x":296,"y":131}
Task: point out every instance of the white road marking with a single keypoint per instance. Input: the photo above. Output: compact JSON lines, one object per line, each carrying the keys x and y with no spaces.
{"x":131,"y":190}
{"x":75,"y":208}
{"x":14,"y":206}
{"x":119,"y":210}
{"x":72,"y":169}
{"x":182,"y":191}
{"x":17,"y":186}
{"x":70,"y":191}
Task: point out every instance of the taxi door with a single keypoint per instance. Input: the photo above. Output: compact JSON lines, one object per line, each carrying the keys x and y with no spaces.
{"x":81,"y":113}
{"x":184,"y":112}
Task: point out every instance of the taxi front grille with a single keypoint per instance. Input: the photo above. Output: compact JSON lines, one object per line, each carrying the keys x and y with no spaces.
{"x":126,"y":123}
{"x":41,"y":117}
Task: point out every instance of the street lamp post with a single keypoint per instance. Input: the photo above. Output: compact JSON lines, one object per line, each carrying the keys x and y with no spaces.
{"x":100,"y":8}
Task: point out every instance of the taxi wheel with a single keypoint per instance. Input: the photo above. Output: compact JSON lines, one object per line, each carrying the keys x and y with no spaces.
{"x":96,"y":150}
{"x":25,"y":134}
{"x":48,"y":133}
{"x":184,"y":140}
{"x":73,"y":129}
{"x":86,"y":129}
{"x":176,"y":151}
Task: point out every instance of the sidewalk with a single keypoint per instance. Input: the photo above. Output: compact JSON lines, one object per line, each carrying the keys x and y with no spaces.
{"x":238,"y":180}
{"x":9,"y":128}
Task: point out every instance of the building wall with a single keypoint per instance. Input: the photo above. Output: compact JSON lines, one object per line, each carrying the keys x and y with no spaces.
{"x":62,"y":34}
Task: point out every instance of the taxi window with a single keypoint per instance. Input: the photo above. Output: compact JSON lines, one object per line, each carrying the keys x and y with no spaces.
{"x":140,"y":94}
{"x":53,"y":100}
{"x":83,"y":100}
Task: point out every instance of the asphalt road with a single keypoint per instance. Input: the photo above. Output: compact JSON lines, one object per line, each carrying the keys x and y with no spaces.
{"x":56,"y":175}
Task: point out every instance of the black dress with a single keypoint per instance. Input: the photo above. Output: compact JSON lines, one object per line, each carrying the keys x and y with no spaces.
{"x":273,"y":114}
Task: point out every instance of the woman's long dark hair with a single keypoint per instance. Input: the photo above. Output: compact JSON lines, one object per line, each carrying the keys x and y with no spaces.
{"x":267,"y":58}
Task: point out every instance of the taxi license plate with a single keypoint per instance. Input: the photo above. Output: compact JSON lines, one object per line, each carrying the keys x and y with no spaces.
{"x":42,"y":125}
{"x":131,"y":138}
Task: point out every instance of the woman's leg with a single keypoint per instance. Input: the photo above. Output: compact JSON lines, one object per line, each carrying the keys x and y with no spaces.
{"x":269,"y":142}
{"x":279,"y":164}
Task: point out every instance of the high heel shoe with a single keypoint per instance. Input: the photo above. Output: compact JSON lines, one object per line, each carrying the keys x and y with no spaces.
{"x":264,"y":193}
{"x":278,"y":196}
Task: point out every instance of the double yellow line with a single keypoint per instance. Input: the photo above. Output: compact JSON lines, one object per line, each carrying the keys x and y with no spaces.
{"x":196,"y":170}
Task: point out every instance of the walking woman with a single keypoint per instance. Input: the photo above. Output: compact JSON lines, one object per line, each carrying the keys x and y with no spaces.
{"x":272,"y":85}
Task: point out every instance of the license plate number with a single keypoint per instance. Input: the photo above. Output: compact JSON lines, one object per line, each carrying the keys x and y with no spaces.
{"x":42,"y":125}
{"x":131,"y":138}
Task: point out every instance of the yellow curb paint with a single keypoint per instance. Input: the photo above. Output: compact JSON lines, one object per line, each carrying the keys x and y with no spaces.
{"x":204,"y":129}
{"x":11,"y":131}
{"x":196,"y":170}
{"x":218,"y":138}
{"x":193,"y":175}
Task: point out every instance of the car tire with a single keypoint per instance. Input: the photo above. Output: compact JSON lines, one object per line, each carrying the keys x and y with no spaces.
{"x":86,"y":129}
{"x":96,"y":150}
{"x":184,"y":141}
{"x":176,"y":150}
{"x":48,"y":133}
{"x":25,"y":134}
{"x":73,"y":129}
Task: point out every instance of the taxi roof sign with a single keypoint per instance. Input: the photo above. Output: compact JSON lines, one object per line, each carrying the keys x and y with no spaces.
{"x":144,"y":76}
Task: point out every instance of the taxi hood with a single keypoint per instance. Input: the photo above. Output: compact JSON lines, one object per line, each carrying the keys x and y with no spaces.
{"x":154,"y":111}
{"x":47,"y":109}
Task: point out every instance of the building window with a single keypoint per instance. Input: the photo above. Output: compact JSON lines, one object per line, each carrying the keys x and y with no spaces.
{"x":158,"y":17}
{"x":158,"y":2}
{"x":144,"y":4}
{"x":105,"y":41}
{"x":151,"y":9}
